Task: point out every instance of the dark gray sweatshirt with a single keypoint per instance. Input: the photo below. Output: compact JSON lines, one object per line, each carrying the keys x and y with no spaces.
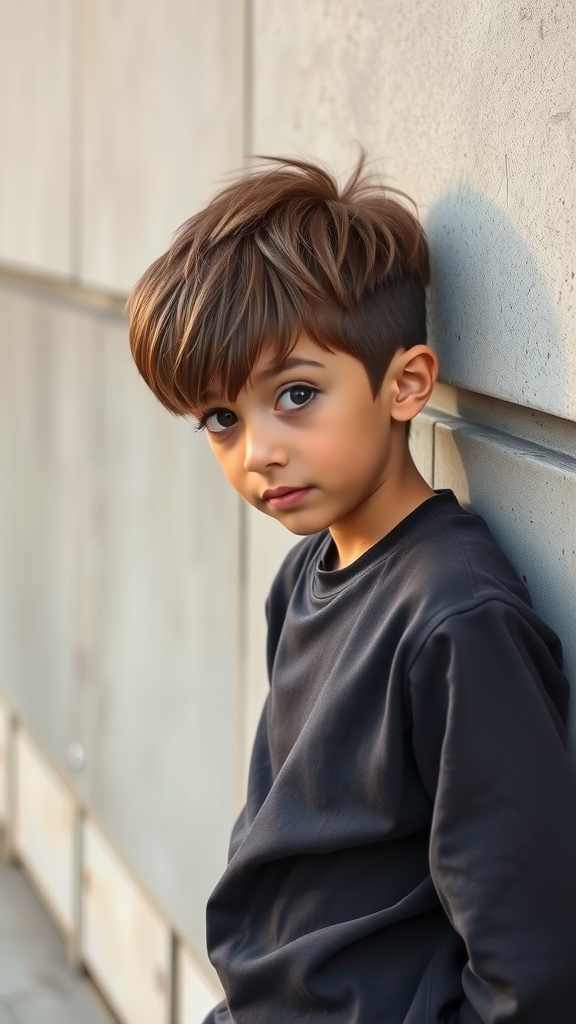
{"x":407,"y":852}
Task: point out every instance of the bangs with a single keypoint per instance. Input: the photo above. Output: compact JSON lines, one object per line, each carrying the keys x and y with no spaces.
{"x":226,"y":338}
{"x":279,"y":253}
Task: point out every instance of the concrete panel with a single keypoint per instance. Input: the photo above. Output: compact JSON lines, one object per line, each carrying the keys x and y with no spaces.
{"x":46,"y":368}
{"x":125,"y":943}
{"x":158,"y":711}
{"x":5,"y":729}
{"x":529,"y":424}
{"x":472,"y":116}
{"x":37,"y":984}
{"x":527,"y":496}
{"x":119,"y":596}
{"x":35,"y":129}
{"x":44,"y":832}
{"x":196,"y":995}
{"x":422,"y":444}
{"x":162,"y":123}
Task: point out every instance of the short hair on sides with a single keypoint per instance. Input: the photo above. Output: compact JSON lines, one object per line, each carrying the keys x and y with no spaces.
{"x":280,"y":252}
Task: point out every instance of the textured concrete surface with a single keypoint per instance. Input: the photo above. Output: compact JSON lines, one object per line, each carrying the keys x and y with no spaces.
{"x":120,"y":542}
{"x":422,"y":443}
{"x":162,"y":123}
{"x":37,"y":986}
{"x":36,"y":99}
{"x":473,"y":116}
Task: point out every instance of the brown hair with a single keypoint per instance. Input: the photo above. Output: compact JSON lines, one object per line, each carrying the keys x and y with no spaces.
{"x":279,"y":252}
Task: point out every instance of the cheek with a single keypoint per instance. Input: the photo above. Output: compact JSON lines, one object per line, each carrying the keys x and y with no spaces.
{"x":350,"y":442}
{"x":225,"y":459}
{"x":231,"y":462}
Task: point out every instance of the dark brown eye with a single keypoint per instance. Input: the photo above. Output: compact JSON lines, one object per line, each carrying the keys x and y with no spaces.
{"x":220,"y":420}
{"x":296,"y":396}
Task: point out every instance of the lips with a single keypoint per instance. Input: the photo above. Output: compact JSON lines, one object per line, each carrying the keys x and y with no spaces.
{"x":279,"y":492}
{"x":285,"y":497}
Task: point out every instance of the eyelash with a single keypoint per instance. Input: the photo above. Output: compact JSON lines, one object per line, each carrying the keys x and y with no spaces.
{"x":203,"y":420}
{"x":201,"y":424}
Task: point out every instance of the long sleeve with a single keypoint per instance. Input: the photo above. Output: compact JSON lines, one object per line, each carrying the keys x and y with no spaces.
{"x":219,"y":1015}
{"x":488,"y":702}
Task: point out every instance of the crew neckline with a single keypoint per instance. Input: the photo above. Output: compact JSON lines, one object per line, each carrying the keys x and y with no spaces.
{"x":326,"y":582}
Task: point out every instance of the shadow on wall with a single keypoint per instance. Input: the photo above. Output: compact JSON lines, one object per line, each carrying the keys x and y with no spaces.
{"x":495,"y":329}
{"x":491,"y":316}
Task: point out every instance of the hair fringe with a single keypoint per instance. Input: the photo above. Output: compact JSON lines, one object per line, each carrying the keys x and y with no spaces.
{"x":279,"y":252}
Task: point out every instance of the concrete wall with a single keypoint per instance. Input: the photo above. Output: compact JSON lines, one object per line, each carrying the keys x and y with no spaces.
{"x":119,"y":539}
{"x":131,"y":601}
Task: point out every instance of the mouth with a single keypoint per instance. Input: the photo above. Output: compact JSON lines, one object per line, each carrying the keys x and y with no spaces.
{"x":285,"y":497}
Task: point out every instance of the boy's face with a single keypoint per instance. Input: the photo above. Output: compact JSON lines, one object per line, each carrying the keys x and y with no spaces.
{"x":307,"y":444}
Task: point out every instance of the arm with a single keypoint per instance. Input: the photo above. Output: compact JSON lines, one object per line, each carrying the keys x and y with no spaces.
{"x":488,"y":702}
{"x":219,"y":1015}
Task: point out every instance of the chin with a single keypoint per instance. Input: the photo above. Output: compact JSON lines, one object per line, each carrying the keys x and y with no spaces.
{"x":298,"y":522}
{"x":303,"y":529}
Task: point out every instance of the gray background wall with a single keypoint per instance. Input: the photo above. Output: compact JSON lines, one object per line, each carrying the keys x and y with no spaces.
{"x":132,"y":583}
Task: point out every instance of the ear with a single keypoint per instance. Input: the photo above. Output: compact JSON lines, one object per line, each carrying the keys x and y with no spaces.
{"x":414,"y":372}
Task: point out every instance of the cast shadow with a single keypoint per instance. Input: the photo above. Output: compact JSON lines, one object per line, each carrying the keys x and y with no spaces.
{"x":492,"y":319}
{"x":495,"y":328}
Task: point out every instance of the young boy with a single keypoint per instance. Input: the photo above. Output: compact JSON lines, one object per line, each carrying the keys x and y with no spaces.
{"x":407,"y":852}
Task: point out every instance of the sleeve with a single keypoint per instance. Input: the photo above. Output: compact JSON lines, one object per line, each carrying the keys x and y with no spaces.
{"x":219,"y":1015}
{"x":488,"y":701}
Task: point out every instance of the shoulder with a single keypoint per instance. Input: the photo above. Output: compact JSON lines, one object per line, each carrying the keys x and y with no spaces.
{"x":448,"y":565}
{"x":487,"y":663}
{"x":477,"y":621}
{"x":454,"y":563}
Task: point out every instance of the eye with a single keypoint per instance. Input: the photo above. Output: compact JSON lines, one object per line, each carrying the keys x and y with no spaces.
{"x":296,"y":396}
{"x":217,"y":421}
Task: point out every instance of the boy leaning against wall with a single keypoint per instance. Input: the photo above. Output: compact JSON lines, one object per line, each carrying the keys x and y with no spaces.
{"x":407,"y":851}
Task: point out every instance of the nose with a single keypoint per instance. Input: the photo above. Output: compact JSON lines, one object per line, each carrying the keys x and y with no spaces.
{"x":262,"y":447}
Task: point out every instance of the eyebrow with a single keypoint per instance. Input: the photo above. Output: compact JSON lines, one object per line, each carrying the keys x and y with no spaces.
{"x":290,"y":363}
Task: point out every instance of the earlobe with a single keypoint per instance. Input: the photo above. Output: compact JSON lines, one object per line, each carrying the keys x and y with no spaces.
{"x":416,"y":373}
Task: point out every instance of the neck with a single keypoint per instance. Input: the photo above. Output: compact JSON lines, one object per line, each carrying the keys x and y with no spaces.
{"x":401,"y":490}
